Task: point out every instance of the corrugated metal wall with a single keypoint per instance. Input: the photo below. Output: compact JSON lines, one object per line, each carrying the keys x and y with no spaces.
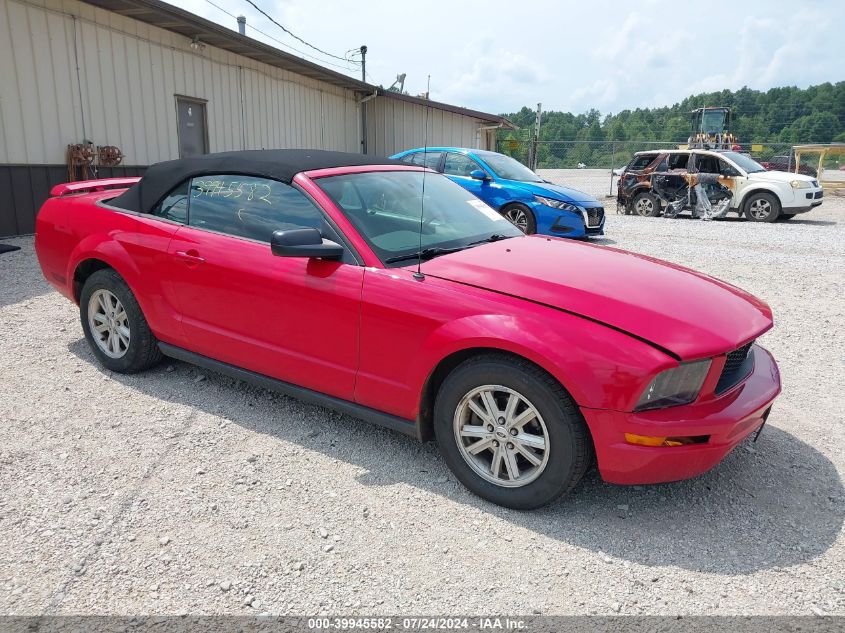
{"x":130,"y":73}
{"x":394,"y":125}
{"x":23,"y":188}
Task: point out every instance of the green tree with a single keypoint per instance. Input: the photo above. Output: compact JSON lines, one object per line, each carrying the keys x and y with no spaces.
{"x":785,"y":114}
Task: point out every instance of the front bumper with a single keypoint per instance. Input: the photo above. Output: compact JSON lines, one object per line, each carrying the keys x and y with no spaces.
{"x":563,"y":223}
{"x":805,"y":200}
{"x":727,"y":420}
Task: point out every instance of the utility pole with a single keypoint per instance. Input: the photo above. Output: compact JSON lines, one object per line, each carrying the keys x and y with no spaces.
{"x":363,"y":50}
{"x":532,"y":157}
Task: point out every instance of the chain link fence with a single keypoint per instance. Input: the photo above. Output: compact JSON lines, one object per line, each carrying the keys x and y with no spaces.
{"x":614,"y":154}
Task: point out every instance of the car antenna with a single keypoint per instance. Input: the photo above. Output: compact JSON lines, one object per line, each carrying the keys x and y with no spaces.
{"x":418,"y":275}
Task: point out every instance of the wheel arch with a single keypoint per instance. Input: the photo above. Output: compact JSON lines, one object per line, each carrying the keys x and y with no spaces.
{"x":97,"y":252}
{"x":740,"y":203}
{"x":83,"y":271}
{"x":435,"y":379}
{"x":637,"y":189}
{"x":522,"y":202}
{"x":644,"y":188}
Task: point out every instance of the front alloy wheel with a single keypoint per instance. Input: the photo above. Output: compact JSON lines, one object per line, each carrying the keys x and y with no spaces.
{"x":762,"y":207}
{"x":518,"y":218}
{"x":521,"y":217}
{"x":501,"y":435}
{"x":510,"y":432}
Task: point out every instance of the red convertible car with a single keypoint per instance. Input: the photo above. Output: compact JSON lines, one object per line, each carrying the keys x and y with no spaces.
{"x":387,"y":292}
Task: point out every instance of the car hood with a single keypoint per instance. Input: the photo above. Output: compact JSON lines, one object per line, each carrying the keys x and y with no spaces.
{"x":558,"y":192}
{"x":687,"y":313}
{"x":778,"y":176}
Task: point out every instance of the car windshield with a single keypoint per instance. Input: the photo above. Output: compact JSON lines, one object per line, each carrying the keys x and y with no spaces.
{"x":744,"y":161}
{"x":385,"y":208}
{"x":508,"y":168}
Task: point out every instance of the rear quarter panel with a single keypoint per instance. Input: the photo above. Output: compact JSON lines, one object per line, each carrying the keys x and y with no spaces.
{"x":75,"y":228}
{"x":54,"y":241}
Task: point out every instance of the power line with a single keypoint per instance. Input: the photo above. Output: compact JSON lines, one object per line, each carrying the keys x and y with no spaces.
{"x":281,"y":43}
{"x":261,"y":11}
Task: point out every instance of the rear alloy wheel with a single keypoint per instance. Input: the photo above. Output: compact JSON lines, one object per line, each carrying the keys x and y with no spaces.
{"x":646,"y":204}
{"x":521,"y":217}
{"x":114,"y":325}
{"x":109,"y":323}
{"x":510,"y":432}
{"x":762,"y":207}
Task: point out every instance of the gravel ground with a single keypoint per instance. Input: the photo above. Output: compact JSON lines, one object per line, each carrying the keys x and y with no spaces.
{"x":181,"y":491}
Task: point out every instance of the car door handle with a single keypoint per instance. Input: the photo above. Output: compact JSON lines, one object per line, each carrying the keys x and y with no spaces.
{"x":190,"y":257}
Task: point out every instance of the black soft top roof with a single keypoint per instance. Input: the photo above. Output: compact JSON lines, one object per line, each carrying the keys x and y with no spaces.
{"x":279,"y":164}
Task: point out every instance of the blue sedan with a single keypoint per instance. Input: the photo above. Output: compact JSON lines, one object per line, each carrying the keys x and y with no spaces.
{"x":531,"y":203}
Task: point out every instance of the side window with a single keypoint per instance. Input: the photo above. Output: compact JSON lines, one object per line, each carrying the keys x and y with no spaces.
{"x":174,"y":206}
{"x":727,"y":170}
{"x":707,"y":164}
{"x":678,"y":161}
{"x":459,"y":165}
{"x":408,"y":159}
{"x":641,"y":162}
{"x":428,"y":159}
{"x":246,"y":206}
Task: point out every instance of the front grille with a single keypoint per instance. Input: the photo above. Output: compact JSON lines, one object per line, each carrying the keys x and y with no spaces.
{"x":819,"y":194}
{"x":738,"y":366}
{"x":594,"y":216}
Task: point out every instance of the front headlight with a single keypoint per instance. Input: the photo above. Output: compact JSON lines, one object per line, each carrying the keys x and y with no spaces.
{"x":800,"y":184}
{"x":676,"y":386}
{"x":557,"y":204}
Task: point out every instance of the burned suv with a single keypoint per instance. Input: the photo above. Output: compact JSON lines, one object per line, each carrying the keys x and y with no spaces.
{"x":710,"y":184}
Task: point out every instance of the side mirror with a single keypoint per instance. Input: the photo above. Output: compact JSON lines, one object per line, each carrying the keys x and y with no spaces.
{"x":479,"y":174}
{"x":304,"y":243}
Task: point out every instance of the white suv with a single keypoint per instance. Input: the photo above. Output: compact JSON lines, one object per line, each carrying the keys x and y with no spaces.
{"x":761,"y":195}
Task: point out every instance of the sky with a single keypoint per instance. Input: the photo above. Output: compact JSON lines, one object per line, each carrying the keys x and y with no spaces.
{"x":498,"y":56}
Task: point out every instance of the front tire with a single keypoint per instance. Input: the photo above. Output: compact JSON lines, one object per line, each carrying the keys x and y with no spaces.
{"x":646,"y":204}
{"x":521,"y":217}
{"x":114,"y":325}
{"x":510,"y":433}
{"x":762,"y":207}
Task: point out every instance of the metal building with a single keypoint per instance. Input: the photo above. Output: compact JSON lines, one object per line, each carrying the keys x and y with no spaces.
{"x":157,"y":82}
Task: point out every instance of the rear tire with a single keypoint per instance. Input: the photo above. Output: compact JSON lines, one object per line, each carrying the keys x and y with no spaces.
{"x":521,"y":217}
{"x":114,"y":325}
{"x":646,"y":204}
{"x":762,"y":207}
{"x":541,"y":444}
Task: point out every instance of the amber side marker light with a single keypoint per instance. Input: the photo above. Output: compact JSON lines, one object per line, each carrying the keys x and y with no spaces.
{"x":648,"y":440}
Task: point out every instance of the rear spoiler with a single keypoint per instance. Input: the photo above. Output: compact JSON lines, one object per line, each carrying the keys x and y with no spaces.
{"x":92,"y":185}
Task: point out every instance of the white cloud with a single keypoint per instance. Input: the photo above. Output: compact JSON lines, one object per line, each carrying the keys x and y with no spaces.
{"x":601,"y":54}
{"x":487,"y":63}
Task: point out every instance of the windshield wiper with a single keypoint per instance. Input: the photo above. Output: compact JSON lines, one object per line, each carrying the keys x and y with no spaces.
{"x":436,"y":251}
{"x":426,"y":253}
{"x":493,"y":238}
